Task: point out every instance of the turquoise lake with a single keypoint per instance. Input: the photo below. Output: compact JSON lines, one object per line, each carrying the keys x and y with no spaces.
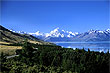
{"x":93,"y":46}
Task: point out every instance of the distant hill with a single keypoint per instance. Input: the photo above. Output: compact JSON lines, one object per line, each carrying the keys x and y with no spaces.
{"x":12,"y":37}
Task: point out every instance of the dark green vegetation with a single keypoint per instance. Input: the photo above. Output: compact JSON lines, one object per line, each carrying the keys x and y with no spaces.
{"x":55,"y":59}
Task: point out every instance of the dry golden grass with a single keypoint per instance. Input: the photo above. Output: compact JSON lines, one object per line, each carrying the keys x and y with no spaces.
{"x":4,"y":42}
{"x":9,"y":49}
{"x":34,"y":42}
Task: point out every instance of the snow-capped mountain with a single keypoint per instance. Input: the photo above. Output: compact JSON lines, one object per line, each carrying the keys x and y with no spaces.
{"x":38,"y":33}
{"x":61,"y":35}
{"x":21,"y":32}
{"x":94,"y":35}
{"x":58,"y":35}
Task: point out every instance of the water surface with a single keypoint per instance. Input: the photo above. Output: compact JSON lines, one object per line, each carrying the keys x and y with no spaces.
{"x":93,"y":46}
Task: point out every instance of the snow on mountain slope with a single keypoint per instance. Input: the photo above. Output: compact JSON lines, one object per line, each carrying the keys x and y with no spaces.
{"x":55,"y":33}
{"x":62,"y":35}
{"x":21,"y":32}
{"x":37,"y":33}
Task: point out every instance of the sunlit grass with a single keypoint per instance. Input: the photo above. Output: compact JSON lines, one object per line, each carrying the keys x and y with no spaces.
{"x":4,"y":42}
{"x":10,"y":50}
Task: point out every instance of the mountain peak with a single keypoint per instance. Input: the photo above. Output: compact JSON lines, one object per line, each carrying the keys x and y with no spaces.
{"x":95,"y":31}
{"x":61,"y":34}
{"x":108,"y":30}
{"x":38,"y":33}
{"x":55,"y":30}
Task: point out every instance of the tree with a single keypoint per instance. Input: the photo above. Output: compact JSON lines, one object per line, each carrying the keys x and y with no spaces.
{"x":2,"y":57}
{"x":27,"y":53}
{"x":2,"y":60}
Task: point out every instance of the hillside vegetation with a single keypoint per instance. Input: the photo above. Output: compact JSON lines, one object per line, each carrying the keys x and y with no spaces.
{"x":9,"y":50}
{"x":35,"y":58}
{"x":8,"y":36}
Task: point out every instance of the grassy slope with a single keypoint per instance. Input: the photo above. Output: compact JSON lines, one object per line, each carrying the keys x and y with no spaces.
{"x":9,"y":37}
{"x":10,"y":50}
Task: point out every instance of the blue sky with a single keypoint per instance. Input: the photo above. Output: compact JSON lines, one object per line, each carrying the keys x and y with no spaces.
{"x":76,"y":16}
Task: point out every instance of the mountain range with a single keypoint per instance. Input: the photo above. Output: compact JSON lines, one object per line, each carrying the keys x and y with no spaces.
{"x":58,"y":35}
